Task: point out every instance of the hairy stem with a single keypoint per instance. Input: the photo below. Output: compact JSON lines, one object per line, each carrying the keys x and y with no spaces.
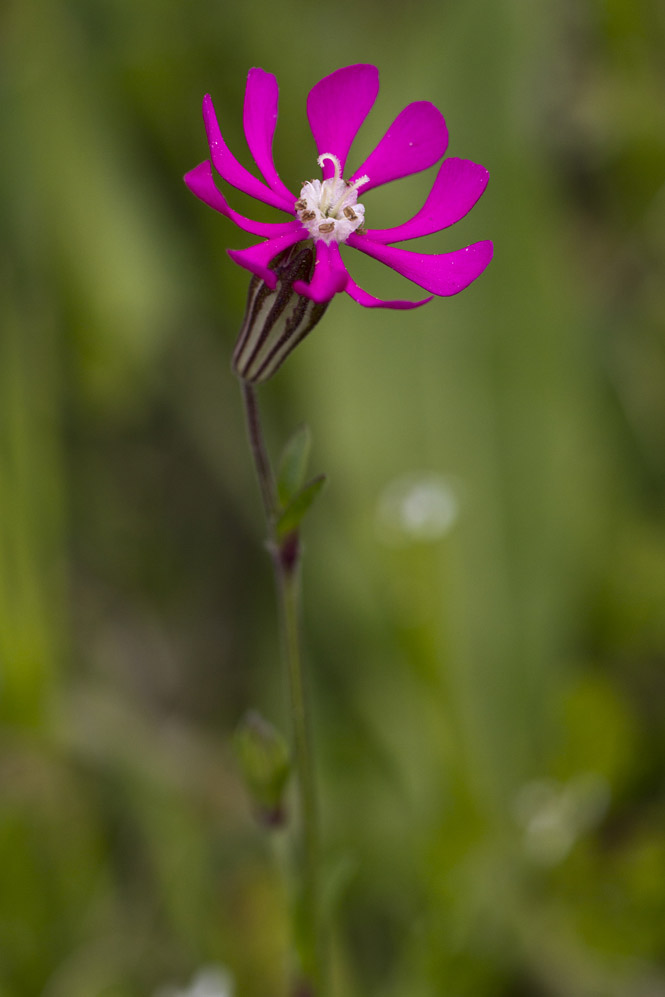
{"x":260,"y":456}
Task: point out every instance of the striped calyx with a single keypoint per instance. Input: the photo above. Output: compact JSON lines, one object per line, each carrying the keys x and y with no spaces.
{"x":276,"y":320}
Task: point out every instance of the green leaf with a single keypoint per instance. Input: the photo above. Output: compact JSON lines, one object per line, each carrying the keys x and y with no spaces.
{"x":265,"y":763}
{"x":293,"y":465}
{"x":292,"y":516}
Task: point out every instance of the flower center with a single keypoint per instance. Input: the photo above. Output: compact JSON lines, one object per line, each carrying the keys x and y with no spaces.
{"x":329,"y":209}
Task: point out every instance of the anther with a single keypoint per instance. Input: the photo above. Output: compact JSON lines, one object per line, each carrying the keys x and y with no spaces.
{"x":350,"y":214}
{"x":300,"y":205}
{"x":326,"y":227}
{"x":307,"y":216}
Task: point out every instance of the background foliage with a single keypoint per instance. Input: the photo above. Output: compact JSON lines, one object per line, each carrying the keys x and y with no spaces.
{"x":485,"y":636}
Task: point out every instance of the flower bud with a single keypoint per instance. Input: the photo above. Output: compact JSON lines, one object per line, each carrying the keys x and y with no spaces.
{"x":265,"y":763}
{"x":276,"y":320}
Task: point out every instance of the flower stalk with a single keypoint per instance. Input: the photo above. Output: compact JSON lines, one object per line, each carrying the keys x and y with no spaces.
{"x":285,"y":551}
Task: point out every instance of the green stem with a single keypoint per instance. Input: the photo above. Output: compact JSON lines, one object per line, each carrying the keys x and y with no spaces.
{"x":260,"y":456}
{"x":289,"y":592}
{"x":286,"y":562}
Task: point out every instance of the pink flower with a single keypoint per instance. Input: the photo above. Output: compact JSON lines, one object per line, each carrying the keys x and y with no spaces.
{"x":327,"y":212}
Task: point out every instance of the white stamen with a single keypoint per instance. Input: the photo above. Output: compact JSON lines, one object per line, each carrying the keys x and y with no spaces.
{"x":350,"y":186}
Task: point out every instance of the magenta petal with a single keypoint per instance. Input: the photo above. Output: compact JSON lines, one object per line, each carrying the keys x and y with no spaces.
{"x":231,"y":170}
{"x":201,"y":182}
{"x":260,"y":118}
{"x":337,"y":107}
{"x":330,"y":275}
{"x":369,"y":301}
{"x":257,"y":258}
{"x":417,"y":139}
{"x":440,"y":273}
{"x":458,"y":186}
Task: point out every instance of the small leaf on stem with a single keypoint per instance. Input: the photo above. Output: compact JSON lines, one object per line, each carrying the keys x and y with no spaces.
{"x":265,"y":764}
{"x":292,"y":516}
{"x":293,"y":465}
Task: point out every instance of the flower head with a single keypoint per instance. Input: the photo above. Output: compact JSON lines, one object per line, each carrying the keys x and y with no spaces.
{"x":328,"y":212}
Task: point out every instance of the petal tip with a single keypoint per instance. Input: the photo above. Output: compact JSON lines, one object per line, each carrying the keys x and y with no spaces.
{"x":366,"y":69}
{"x":258,"y":72}
{"x":193,"y":177}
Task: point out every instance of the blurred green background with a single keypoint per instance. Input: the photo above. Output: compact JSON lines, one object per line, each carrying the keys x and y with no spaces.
{"x":484,"y":575}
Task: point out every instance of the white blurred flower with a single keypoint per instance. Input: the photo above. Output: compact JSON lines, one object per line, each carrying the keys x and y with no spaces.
{"x":211,"y":981}
{"x":554,"y":815}
{"x":419,"y":507}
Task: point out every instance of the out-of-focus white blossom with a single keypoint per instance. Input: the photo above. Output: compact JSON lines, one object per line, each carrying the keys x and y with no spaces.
{"x":419,"y":507}
{"x":553,"y":815}
{"x":211,"y":981}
